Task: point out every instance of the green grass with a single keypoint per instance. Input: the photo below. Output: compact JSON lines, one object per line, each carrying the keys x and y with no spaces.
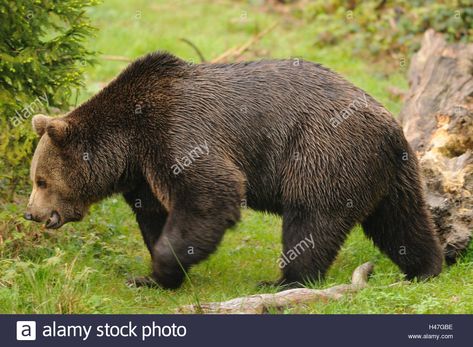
{"x":82,"y":267}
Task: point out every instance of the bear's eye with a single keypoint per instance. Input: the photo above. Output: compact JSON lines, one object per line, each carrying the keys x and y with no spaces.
{"x":41,"y":183}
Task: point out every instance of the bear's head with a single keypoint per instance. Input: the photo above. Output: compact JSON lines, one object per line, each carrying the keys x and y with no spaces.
{"x":58,"y":174}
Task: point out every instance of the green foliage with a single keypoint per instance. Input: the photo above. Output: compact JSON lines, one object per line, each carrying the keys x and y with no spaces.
{"x":43,"y":57}
{"x":391,"y":28}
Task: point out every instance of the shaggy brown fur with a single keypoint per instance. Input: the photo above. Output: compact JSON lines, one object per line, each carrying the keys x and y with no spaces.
{"x":186,"y":144}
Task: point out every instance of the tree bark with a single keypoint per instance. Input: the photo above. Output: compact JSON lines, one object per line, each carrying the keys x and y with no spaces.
{"x":438,"y":122}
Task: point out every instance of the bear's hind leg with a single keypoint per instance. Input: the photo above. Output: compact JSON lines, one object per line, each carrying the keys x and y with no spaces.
{"x":311,"y":242}
{"x":401,"y":227}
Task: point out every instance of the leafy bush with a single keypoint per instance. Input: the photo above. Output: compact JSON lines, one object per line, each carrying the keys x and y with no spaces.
{"x":392,"y":28}
{"x":42,"y":58}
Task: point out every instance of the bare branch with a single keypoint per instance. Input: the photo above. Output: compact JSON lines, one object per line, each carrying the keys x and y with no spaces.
{"x":236,"y":52}
{"x":262,"y":303}
{"x":195,"y":48}
{"x":117,"y":58}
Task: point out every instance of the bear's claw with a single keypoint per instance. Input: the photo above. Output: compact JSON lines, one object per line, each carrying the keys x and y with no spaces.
{"x":143,"y":281}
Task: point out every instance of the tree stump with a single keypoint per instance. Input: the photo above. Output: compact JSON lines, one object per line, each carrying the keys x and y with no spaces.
{"x":438,"y":122}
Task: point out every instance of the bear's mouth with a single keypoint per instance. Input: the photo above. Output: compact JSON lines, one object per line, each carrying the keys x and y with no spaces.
{"x":54,"y":221}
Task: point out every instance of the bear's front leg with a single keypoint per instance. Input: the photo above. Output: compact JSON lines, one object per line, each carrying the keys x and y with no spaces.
{"x":188,"y":238}
{"x":151,"y":217}
{"x":203,"y":207}
{"x":151,"y":225}
{"x":150,"y":213}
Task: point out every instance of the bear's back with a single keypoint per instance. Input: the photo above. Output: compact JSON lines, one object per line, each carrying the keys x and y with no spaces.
{"x":292,"y":120}
{"x":272,"y":102}
{"x":295,"y":121}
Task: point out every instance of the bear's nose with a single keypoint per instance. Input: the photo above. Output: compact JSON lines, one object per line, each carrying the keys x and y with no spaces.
{"x":28,"y":216}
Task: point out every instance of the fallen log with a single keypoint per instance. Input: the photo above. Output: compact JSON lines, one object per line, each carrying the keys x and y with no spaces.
{"x":263,"y":303}
{"x":438,"y":122}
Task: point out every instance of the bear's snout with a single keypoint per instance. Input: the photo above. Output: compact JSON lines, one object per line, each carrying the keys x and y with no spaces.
{"x":31,"y":217}
{"x":54,"y":220}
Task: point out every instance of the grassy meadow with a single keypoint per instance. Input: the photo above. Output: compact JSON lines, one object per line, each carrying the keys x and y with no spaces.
{"x":82,"y":267}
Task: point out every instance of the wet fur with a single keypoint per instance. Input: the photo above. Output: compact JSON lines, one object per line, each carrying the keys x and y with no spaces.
{"x":271,"y":143}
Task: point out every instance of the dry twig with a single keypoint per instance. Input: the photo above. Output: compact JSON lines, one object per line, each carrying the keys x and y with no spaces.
{"x":262,"y":303}
{"x":236,"y":52}
{"x":117,"y":58}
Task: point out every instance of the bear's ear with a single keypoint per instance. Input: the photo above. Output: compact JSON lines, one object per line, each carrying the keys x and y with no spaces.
{"x":40,"y":122}
{"x":58,"y":130}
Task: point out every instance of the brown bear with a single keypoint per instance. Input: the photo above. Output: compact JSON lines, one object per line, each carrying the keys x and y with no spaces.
{"x":186,"y":144}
